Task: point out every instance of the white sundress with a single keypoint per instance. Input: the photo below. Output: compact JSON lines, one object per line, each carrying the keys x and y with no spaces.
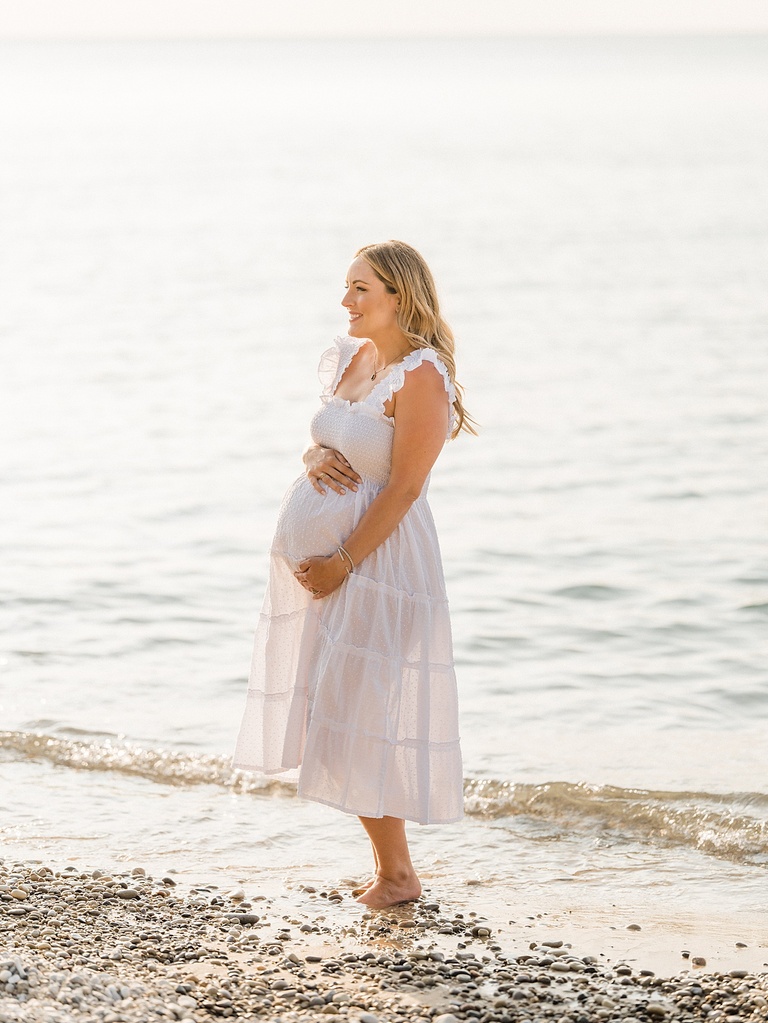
{"x":358,"y":689}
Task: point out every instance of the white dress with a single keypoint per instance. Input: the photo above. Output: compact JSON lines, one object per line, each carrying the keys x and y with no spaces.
{"x":358,"y":688}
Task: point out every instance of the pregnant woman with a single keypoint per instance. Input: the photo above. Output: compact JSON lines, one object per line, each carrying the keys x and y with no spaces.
{"x":352,"y":676}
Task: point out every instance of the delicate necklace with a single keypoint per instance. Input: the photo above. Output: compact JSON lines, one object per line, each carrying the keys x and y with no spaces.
{"x":382,"y":368}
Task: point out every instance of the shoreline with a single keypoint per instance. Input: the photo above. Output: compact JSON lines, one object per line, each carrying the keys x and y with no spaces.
{"x":127,"y":947}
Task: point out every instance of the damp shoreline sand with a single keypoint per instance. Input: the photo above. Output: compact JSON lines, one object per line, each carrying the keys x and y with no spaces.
{"x":125,"y":947}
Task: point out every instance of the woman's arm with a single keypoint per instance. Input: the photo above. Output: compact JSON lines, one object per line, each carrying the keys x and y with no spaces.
{"x":421,"y":422}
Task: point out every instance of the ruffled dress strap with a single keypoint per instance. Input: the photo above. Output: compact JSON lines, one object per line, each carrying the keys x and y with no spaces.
{"x":334,"y":361}
{"x":396,"y":378}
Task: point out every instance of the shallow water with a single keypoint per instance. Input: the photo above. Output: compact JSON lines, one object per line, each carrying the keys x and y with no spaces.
{"x":178,"y":220}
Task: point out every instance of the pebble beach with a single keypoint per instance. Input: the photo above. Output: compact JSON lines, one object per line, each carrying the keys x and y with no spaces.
{"x":129,"y":948}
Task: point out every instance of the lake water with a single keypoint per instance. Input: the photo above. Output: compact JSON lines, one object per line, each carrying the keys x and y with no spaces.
{"x":177,"y":220}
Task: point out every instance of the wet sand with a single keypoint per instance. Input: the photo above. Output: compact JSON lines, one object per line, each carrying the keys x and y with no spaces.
{"x":128,"y":947}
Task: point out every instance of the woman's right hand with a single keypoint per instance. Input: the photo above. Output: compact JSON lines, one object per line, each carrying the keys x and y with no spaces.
{"x":329,"y":467}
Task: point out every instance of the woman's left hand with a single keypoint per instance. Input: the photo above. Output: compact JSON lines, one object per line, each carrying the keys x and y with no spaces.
{"x":321,"y":576}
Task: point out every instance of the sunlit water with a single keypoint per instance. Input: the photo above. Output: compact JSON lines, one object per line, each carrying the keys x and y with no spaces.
{"x":176,"y":223}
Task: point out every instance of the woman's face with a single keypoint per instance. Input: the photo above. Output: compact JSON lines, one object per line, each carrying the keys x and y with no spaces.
{"x":372,"y":309}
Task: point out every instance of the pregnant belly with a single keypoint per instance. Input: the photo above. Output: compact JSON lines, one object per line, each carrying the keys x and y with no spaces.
{"x":310,"y":523}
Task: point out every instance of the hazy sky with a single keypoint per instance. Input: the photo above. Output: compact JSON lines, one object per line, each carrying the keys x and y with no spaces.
{"x":212,"y":18}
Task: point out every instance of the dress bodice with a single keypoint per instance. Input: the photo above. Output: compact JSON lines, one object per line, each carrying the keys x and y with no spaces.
{"x":361,"y":430}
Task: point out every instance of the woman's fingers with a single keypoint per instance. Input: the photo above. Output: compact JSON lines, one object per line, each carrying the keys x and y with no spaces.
{"x":347,"y":470}
{"x":342,"y":475}
{"x":331,"y":469}
{"x":337,"y":481}
{"x":332,"y":479}
{"x":313,"y":574}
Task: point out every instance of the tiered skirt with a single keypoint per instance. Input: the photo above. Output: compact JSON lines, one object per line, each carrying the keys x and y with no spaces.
{"x":358,"y":689}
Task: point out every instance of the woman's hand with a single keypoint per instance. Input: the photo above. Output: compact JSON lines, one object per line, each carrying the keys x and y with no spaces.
{"x":321,"y":576}
{"x":324,"y":465}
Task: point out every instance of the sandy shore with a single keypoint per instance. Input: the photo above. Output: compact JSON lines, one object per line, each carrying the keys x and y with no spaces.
{"x":128,"y":947}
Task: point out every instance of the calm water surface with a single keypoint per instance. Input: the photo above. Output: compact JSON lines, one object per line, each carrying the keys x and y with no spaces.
{"x":177,"y":223}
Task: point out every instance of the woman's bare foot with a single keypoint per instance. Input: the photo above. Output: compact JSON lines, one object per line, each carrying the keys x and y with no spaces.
{"x":384,"y":892}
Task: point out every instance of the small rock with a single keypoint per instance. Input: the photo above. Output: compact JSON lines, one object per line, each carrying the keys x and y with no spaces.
{"x":17,"y":893}
{"x":738,"y":974}
{"x":699,"y":961}
{"x":128,"y":893}
{"x":656,"y":1009}
{"x":368,"y":1017}
{"x":634,"y":927}
{"x":446,"y":1017}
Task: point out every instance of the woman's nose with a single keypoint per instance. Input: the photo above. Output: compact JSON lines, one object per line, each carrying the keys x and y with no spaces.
{"x":346,"y":300}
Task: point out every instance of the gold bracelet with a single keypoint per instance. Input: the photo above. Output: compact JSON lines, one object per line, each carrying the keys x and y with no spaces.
{"x":343,"y":553}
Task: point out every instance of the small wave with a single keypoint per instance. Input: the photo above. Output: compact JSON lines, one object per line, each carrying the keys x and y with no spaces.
{"x":593,"y":591}
{"x":755,"y":607}
{"x":721,"y":825}
{"x":733,"y":826}
{"x":166,"y":767}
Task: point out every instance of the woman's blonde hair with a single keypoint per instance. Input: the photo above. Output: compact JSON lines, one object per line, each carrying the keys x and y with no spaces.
{"x":405,"y":273}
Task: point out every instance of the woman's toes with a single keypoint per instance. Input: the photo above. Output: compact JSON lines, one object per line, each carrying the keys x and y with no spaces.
{"x":383,"y":893}
{"x":360,"y":888}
